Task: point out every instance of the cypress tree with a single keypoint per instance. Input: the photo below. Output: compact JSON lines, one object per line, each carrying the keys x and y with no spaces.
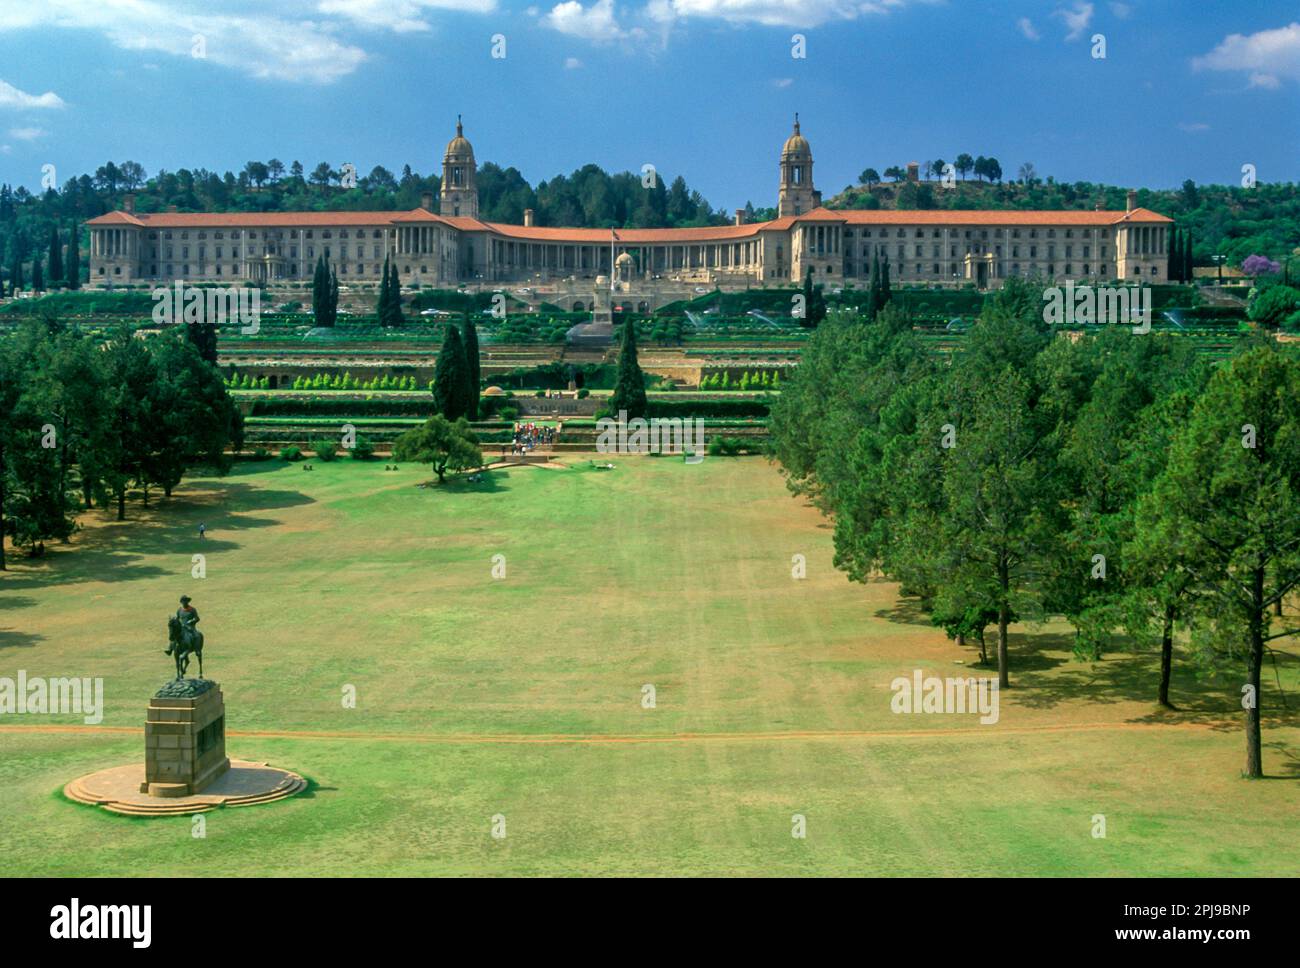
{"x":629,"y":390}
{"x":73,"y":268}
{"x":38,"y":278}
{"x":56,"y":255}
{"x":1175,"y":267}
{"x":383,"y":308}
{"x":451,"y":377}
{"x":319,"y":291}
{"x":1187,"y":257}
{"x":472,"y":360}
{"x":886,"y":292}
{"x":395,"y":297}
{"x":16,"y":273}
{"x":333,"y":297}
{"x":873,"y":286}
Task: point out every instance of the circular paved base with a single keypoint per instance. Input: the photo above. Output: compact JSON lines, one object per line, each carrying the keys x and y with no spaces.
{"x":243,"y":785}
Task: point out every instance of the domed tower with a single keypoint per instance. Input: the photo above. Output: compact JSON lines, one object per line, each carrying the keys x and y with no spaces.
{"x":459,"y":194}
{"x":797,"y":195}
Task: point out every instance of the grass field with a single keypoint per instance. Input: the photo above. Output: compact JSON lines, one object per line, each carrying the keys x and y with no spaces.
{"x":521,"y":696}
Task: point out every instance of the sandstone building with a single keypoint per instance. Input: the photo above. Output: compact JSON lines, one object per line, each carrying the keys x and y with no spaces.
{"x":452,"y":246}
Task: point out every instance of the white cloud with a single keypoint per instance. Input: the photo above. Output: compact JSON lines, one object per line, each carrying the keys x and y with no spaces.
{"x":783,"y":82}
{"x":596,"y":23}
{"x":1193,"y":127}
{"x":572,"y":63}
{"x":1121,"y":10}
{"x":774,"y":13}
{"x":27,"y":134}
{"x":1027,"y":28}
{"x":1077,"y":19}
{"x":11,"y":97}
{"x":266,"y":39}
{"x":399,"y":16}
{"x":1267,"y":56}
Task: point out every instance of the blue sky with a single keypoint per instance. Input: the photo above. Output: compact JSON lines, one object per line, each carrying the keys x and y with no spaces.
{"x":705,"y":88}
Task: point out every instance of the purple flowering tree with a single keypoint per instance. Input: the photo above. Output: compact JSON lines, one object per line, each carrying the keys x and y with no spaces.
{"x":1260,"y":265}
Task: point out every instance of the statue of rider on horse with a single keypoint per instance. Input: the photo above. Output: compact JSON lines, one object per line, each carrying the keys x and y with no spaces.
{"x":184,"y":638}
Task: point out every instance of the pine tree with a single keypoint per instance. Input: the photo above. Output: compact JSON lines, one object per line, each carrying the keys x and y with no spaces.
{"x":629,"y":390}
{"x":72,"y":270}
{"x":56,"y":256}
{"x":451,"y":377}
{"x":472,"y":359}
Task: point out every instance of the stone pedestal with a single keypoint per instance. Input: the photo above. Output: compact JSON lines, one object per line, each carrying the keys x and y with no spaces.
{"x":184,"y":739}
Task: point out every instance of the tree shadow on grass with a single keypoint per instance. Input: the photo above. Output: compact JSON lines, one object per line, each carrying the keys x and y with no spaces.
{"x":1285,"y":762}
{"x":252,"y":467}
{"x":490,"y":482}
{"x":905,"y":611}
{"x":1119,"y":677}
{"x":13,"y":639}
{"x":109,"y":550}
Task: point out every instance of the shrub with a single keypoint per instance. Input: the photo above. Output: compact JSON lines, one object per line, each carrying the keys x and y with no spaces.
{"x":584,"y":393}
{"x":261,"y":453}
{"x":290,"y":454}
{"x":508,"y":413}
{"x":362,"y":449}
{"x":725,"y":446}
{"x":325,"y":447}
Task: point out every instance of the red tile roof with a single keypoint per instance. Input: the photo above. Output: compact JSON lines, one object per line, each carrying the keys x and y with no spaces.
{"x":179,"y":220}
{"x":545,"y":233}
{"x":934,"y":216}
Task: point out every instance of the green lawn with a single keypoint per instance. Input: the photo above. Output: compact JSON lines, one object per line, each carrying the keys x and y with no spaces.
{"x":522,"y":696}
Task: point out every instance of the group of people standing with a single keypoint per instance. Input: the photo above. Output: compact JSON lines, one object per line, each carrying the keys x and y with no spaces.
{"x":529,"y":436}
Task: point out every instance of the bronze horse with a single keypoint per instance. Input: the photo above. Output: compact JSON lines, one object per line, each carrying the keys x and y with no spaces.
{"x":183,"y":642}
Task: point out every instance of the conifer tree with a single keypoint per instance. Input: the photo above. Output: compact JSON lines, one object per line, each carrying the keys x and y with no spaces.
{"x":395,"y":297}
{"x":473,"y":362}
{"x":451,"y":377}
{"x":72,"y":269}
{"x":629,"y":390}
{"x":383,"y":308}
{"x":56,"y":256}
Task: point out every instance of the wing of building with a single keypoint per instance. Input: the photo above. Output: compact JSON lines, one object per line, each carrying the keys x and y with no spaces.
{"x":452,"y":246}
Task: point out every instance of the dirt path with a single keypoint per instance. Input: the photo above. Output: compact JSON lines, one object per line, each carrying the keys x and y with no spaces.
{"x":553,"y":739}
